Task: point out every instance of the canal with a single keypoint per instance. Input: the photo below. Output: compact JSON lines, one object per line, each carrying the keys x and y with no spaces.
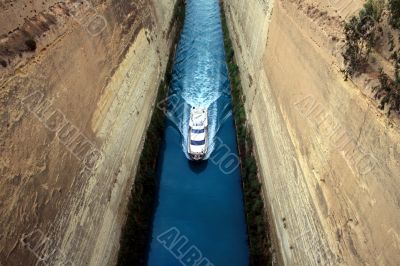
{"x":199,"y":218}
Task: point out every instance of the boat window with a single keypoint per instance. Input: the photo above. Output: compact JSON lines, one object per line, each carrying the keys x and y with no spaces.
{"x":198,"y":131}
{"x":197,"y":142}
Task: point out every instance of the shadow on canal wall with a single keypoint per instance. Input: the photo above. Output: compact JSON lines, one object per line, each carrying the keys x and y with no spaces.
{"x":135,"y":237}
{"x":260,"y":244}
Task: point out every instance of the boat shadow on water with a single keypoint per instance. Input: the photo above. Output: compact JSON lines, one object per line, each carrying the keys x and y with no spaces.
{"x":198,"y":166}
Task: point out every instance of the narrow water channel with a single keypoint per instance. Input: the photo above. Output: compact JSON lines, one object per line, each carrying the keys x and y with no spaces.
{"x":200,"y":217}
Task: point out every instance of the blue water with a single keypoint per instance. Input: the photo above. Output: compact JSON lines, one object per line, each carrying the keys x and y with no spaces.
{"x":200,"y":217}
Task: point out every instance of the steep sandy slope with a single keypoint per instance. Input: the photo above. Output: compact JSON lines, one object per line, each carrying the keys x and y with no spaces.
{"x":78,"y":81}
{"x":329,"y":159}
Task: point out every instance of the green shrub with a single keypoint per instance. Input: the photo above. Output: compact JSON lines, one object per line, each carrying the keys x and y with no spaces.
{"x":31,"y":44}
{"x":373,"y":8}
{"x":361,"y":36}
{"x":394,"y":13}
{"x":389,"y":91}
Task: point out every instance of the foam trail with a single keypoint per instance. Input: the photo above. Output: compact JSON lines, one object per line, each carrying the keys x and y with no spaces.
{"x":200,"y":73}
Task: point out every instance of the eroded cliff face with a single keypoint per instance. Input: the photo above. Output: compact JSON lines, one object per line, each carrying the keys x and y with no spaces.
{"x":329,"y":158}
{"x":78,"y":82}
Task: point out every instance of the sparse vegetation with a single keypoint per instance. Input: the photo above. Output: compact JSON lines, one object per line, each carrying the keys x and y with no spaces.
{"x":31,"y":44}
{"x":3,"y":63}
{"x":394,"y":13}
{"x":136,"y":234}
{"x":388,"y":91}
{"x":391,"y":41}
{"x":374,"y":9}
{"x":362,"y":33}
{"x":257,"y":223}
{"x":361,"y":36}
{"x":396,"y":67}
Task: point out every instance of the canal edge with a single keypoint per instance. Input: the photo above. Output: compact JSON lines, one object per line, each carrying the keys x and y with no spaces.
{"x":136,"y":235}
{"x":251,"y":183}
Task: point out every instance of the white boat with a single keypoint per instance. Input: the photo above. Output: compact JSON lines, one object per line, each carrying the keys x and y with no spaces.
{"x":198,"y":133}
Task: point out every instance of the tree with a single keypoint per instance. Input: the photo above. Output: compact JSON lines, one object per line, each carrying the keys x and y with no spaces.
{"x":388,"y":92}
{"x":361,"y":37}
{"x":394,"y":15}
